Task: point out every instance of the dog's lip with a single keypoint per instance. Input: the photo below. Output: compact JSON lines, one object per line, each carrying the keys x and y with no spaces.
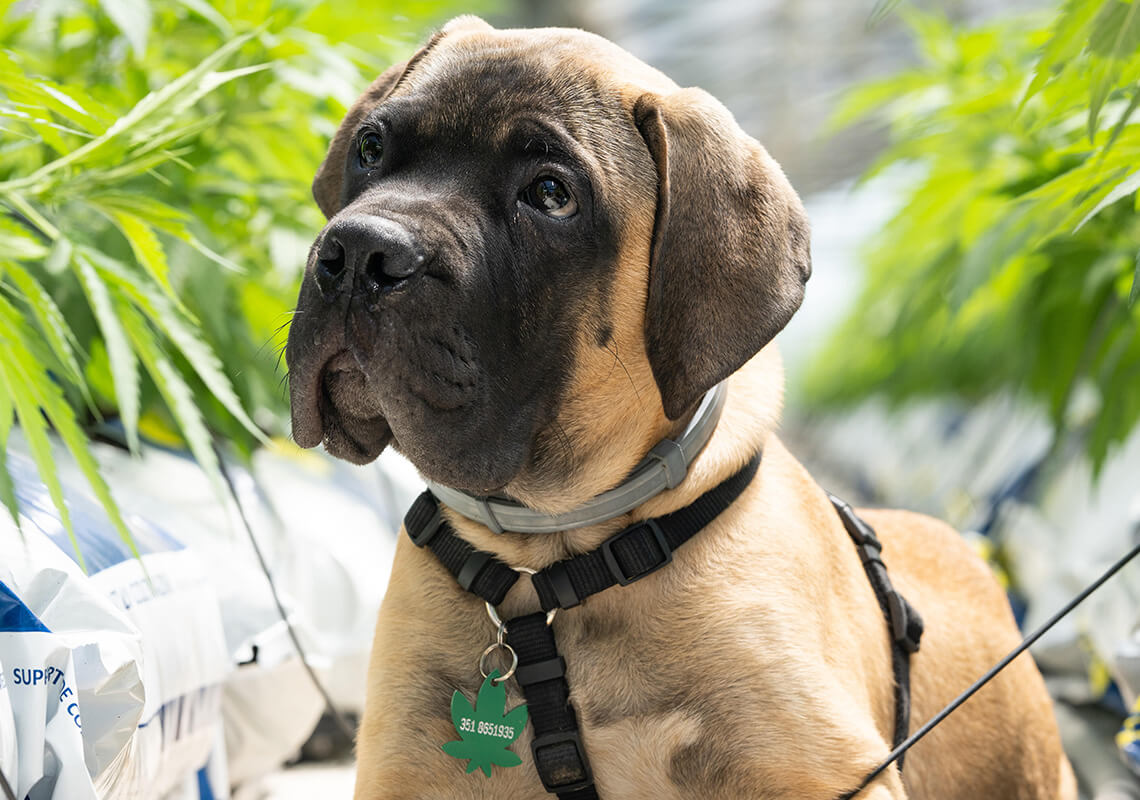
{"x":305,"y":410}
{"x":308,"y":398}
{"x":343,"y":434}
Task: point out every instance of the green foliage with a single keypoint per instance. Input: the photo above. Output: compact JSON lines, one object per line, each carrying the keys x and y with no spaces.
{"x":155,"y":162}
{"x":1014,"y":262}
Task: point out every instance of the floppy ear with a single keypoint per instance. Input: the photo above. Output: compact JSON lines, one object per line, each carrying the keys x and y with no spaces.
{"x":731,"y":249}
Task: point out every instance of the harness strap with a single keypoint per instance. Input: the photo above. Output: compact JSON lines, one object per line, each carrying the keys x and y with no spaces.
{"x":903,"y":622}
{"x":476,"y":571}
{"x":640,"y":549}
{"x":559,"y":755}
{"x":627,"y":556}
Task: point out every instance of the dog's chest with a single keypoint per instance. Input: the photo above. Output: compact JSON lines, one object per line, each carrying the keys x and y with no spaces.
{"x":687,"y":708}
{"x":713,"y":678}
{"x":667,"y":709}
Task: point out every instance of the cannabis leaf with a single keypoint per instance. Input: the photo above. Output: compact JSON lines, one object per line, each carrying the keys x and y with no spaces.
{"x":486,"y":731}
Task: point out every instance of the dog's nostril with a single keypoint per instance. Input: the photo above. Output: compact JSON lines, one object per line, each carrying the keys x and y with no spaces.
{"x":330,"y":266}
{"x":388,"y":271}
{"x":331,"y":256}
{"x":374,"y":270}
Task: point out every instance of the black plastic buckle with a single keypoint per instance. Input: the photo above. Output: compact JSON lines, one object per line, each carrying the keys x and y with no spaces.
{"x":471,"y":568}
{"x":906,"y":624}
{"x":857,"y":529}
{"x":549,"y":670}
{"x":564,"y":592}
{"x":423,"y":520}
{"x":551,"y":773}
{"x":612,"y":562}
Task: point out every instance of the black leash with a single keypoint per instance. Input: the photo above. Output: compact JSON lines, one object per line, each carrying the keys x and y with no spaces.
{"x":627,"y":556}
{"x":1026,"y":643}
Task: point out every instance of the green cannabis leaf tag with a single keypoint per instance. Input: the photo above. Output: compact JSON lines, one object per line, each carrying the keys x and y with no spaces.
{"x":486,"y":731}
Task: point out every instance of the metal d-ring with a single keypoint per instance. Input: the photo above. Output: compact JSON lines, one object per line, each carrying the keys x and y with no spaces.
{"x":496,"y":620}
{"x":493,"y":613}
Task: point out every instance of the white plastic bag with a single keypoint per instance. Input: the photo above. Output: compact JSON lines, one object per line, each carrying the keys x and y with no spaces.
{"x":135,"y":648}
{"x":8,"y":755}
{"x":71,"y":661}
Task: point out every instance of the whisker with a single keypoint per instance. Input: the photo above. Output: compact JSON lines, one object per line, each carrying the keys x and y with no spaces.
{"x":613,"y":349}
{"x":567,"y":445}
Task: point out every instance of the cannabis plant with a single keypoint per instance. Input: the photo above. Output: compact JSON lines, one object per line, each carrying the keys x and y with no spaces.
{"x":155,"y":160}
{"x":1013,"y":261}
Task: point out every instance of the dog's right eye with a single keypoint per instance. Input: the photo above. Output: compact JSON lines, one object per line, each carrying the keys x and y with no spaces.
{"x":550,"y":196}
{"x":371,"y":149}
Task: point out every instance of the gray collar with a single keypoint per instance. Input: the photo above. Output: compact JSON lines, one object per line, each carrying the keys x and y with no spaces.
{"x":664,"y":468}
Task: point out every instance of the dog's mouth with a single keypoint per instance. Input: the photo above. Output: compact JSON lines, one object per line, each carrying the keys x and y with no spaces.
{"x":433,"y":413}
{"x":340,"y":408}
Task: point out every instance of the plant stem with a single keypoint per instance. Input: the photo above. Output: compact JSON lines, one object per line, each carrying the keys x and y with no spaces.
{"x":26,"y":209}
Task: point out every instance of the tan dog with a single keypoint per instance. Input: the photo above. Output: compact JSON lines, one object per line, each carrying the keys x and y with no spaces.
{"x":541,"y":253}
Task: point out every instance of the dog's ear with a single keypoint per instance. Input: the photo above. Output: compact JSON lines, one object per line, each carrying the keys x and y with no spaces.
{"x":329,"y":181}
{"x":730,"y":252}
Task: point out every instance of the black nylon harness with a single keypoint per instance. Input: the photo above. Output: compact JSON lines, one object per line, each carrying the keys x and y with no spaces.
{"x":627,"y":556}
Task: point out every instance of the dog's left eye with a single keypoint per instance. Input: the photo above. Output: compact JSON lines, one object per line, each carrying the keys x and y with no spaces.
{"x":371,"y":149}
{"x":551,"y":197}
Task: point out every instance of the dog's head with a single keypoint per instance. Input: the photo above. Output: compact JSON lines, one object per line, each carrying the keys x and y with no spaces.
{"x":538,"y":248}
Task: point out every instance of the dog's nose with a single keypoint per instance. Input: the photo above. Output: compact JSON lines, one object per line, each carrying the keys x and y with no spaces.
{"x":378,"y":255}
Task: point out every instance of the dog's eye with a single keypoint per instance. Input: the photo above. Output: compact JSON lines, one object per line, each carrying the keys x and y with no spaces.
{"x":371,"y":149}
{"x":550,"y":196}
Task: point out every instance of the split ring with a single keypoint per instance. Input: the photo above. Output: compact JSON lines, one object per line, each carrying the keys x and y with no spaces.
{"x":493,"y":648}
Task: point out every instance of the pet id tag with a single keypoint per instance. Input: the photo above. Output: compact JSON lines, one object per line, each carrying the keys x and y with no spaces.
{"x":484,"y":729}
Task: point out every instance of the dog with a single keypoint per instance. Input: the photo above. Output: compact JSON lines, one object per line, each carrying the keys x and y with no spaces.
{"x":541,"y":254}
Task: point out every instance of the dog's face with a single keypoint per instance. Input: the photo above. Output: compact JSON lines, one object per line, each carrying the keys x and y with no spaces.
{"x":509,"y":212}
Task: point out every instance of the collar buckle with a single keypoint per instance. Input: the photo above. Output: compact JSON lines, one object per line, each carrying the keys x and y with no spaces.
{"x":671,"y":457}
{"x":636,"y":551}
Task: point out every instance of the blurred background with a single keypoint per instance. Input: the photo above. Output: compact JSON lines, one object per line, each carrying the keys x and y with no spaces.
{"x":969,"y":346}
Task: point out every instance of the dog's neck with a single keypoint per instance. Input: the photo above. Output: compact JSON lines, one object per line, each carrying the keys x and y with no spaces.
{"x":665,"y":467}
{"x":751,"y":413}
